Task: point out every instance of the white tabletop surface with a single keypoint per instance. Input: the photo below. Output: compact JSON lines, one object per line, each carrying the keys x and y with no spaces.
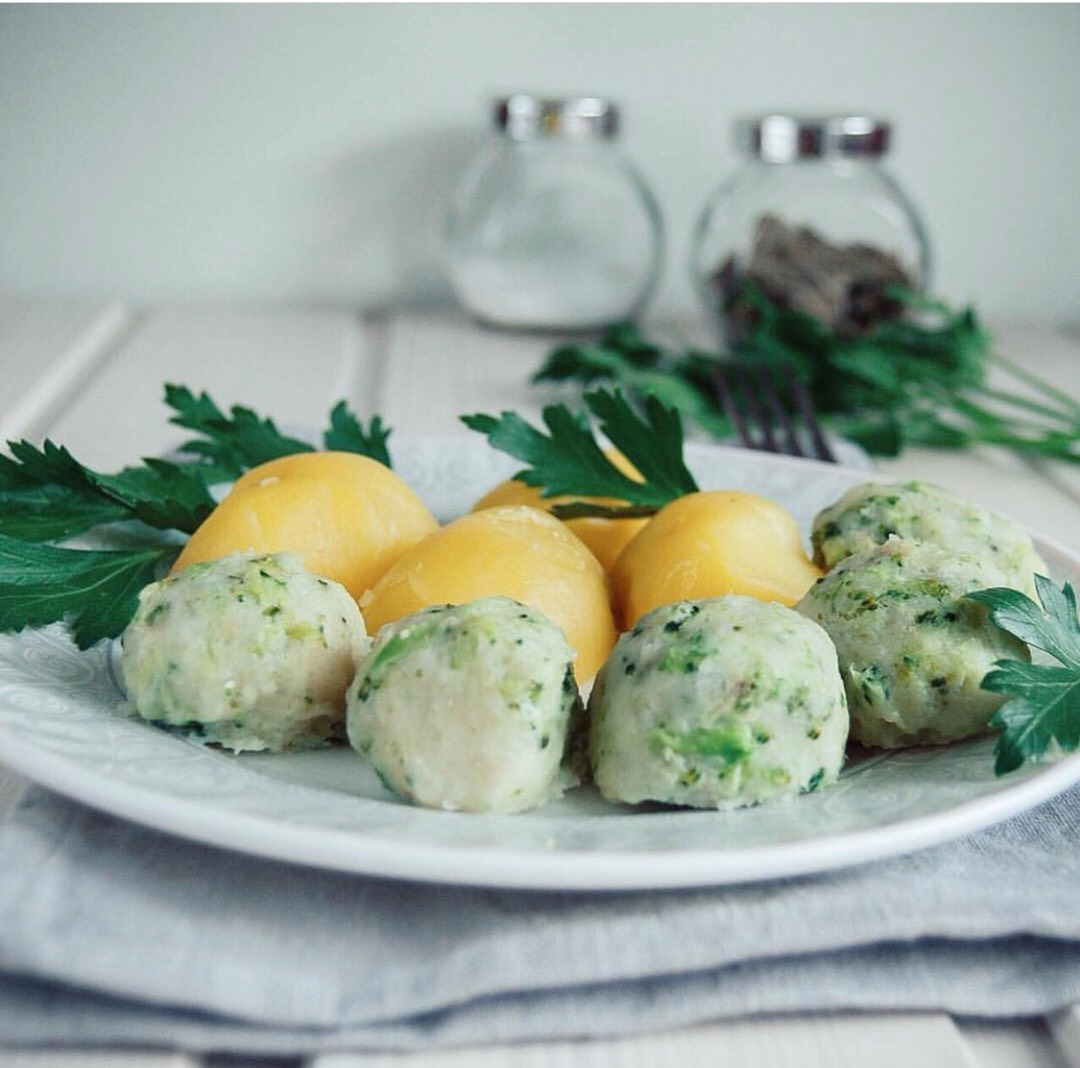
{"x":90,"y":374}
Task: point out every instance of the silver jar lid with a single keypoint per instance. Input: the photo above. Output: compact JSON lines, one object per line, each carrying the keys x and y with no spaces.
{"x":522,"y":117}
{"x":785,"y":138}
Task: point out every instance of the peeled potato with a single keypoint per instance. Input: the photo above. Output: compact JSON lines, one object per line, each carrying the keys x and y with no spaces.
{"x":606,"y":538}
{"x":514,"y":551}
{"x":346,"y":516}
{"x":708,"y":544}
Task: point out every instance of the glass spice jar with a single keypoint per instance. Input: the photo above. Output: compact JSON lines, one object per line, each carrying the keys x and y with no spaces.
{"x":813,"y":222}
{"x":551,"y":227}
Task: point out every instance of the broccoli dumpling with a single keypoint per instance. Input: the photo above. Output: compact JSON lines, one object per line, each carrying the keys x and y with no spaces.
{"x":718,"y":703}
{"x":250,"y":652}
{"x":871,"y":513}
{"x":468,"y":707}
{"x":913,"y":651}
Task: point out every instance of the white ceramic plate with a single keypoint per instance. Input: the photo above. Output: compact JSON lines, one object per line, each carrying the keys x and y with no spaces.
{"x":61,"y":723}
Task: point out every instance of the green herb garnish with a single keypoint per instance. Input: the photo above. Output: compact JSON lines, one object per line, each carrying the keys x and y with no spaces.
{"x":1044,"y":699}
{"x":95,"y":591}
{"x":47,"y":495}
{"x":919,"y":380}
{"x":347,"y":434}
{"x":569,"y":460}
{"x":229,"y":444}
{"x":47,"y":498}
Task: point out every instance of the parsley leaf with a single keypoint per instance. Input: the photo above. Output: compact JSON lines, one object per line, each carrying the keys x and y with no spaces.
{"x":625,"y":357}
{"x":230,"y":443}
{"x":94,"y":591}
{"x":569,"y":461}
{"x":31,"y":466}
{"x":653,"y":443}
{"x":53,"y":513}
{"x":163,"y":495}
{"x":47,"y":495}
{"x":1044,"y":699}
{"x":347,"y":434}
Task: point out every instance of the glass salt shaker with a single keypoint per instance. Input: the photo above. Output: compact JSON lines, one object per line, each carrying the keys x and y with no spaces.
{"x":814,"y":222}
{"x":551,"y":227}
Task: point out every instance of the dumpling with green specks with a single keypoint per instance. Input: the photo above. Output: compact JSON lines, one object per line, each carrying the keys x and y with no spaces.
{"x":248,"y":652}
{"x":469,"y":707}
{"x":913,"y":651}
{"x":871,"y":513}
{"x":718,"y":703}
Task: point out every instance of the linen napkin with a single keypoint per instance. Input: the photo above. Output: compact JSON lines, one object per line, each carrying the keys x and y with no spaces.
{"x":114,"y":934}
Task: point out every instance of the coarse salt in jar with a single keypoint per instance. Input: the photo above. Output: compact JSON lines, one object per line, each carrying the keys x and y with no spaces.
{"x":551,"y":227}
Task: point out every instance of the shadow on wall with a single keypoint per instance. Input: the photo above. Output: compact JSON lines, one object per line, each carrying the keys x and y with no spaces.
{"x":383,"y":216}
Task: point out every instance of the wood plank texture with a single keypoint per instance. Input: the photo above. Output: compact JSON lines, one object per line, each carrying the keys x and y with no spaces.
{"x":287,"y":365}
{"x":436,"y":369}
{"x":47,"y":350}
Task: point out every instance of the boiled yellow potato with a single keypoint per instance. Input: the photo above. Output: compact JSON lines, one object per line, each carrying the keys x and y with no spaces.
{"x":346,"y":516}
{"x":605,"y":537}
{"x":711,"y":543}
{"x":514,"y":551}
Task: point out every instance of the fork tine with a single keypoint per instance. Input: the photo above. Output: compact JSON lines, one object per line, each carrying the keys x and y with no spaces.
{"x":778,"y":412}
{"x":740,"y":402}
{"x":734,"y":404}
{"x":801,"y":396}
{"x":762,"y":416}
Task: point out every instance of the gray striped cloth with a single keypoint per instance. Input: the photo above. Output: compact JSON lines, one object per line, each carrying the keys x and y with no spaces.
{"x":114,"y":934}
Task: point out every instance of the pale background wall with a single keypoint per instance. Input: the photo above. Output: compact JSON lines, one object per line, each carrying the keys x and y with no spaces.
{"x":305,"y":152}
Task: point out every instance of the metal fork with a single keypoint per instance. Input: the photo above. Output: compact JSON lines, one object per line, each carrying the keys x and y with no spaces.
{"x":771,"y":410}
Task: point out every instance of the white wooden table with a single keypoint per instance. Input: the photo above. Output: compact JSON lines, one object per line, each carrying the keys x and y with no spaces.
{"x":90,"y":375}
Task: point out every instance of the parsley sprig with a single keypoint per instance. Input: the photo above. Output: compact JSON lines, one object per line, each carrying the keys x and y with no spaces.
{"x":142,"y":513}
{"x":94,"y":591}
{"x":917,"y":380}
{"x":569,"y":460}
{"x":47,"y":495}
{"x":229,"y":443}
{"x":1043,"y":706}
